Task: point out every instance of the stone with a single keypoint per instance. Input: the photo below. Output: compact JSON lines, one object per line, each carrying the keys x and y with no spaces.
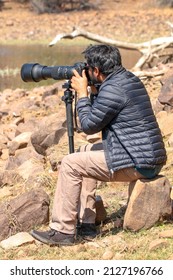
{"x":165,"y":123}
{"x":166,"y":94}
{"x":33,"y":168}
{"x":24,"y":212}
{"x":156,"y":244}
{"x":10,"y":178}
{"x":107,"y":255}
{"x":149,"y":201}
{"x":17,"y":240}
{"x":166,"y":233}
{"x":19,"y":142}
{"x":170,"y":140}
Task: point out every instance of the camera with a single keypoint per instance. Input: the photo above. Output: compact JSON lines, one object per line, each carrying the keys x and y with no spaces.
{"x":34,"y":72}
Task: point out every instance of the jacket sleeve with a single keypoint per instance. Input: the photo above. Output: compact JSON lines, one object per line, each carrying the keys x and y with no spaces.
{"x":94,"y":117}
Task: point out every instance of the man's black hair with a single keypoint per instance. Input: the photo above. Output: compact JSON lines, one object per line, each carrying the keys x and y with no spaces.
{"x":106,"y":57}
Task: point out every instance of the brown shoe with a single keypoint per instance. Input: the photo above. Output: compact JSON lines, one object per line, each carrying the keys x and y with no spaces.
{"x":53,"y":237}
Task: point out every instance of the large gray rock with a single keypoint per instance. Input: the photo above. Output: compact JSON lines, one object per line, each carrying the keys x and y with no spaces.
{"x":149,"y":201}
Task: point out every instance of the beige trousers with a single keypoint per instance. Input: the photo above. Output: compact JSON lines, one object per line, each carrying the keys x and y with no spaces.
{"x":77,"y":182}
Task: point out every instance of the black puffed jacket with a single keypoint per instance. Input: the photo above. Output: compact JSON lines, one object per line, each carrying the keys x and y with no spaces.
{"x":123,"y":112}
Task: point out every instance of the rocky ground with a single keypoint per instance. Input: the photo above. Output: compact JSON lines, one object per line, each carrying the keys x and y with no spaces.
{"x":131,"y":21}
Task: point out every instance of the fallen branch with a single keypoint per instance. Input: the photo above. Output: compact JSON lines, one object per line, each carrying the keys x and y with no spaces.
{"x":77,"y":32}
{"x":154,"y":72}
{"x":147,"y":49}
{"x":150,"y":74}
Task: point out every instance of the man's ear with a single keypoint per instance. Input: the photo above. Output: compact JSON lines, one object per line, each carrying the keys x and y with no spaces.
{"x":99,"y":75}
{"x":97,"y":71}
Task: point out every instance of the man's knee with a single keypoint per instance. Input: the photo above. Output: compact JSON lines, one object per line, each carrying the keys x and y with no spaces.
{"x":66,"y":160}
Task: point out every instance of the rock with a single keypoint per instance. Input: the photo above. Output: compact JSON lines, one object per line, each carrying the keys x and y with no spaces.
{"x":24,"y":212}
{"x":33,"y":168}
{"x":118,"y":223}
{"x":10,"y":178}
{"x":166,"y":233}
{"x":10,"y":131}
{"x":3,"y":139}
{"x":49,"y":133}
{"x":19,"y":142}
{"x":45,"y":138}
{"x":157,"y":106}
{"x":27,"y":125}
{"x":166,"y":94}
{"x":108,"y":255}
{"x":165,"y":123}
{"x":148,"y":203}
{"x":156,"y":244}
{"x":23,"y":155}
{"x":170,"y":140}
{"x":17,"y":240}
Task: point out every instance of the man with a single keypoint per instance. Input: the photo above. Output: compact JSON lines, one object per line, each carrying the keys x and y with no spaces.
{"x":132,"y":146}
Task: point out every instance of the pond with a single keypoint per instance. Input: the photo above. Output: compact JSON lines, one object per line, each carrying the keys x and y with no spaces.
{"x":12,"y":57}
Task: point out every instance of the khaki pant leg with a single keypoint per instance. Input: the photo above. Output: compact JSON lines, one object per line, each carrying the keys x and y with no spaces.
{"x":74,"y":168}
{"x":87,"y":210}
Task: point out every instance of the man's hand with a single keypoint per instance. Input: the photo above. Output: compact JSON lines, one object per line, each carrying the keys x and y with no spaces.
{"x":80,"y":83}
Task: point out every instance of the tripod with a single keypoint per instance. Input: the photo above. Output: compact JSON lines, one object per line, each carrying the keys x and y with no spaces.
{"x":68,"y":99}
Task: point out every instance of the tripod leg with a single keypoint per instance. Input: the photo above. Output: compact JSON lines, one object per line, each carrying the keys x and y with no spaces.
{"x":68,"y":99}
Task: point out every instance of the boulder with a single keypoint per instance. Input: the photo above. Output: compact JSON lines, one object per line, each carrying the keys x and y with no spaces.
{"x":149,"y":201}
{"x":24,"y":212}
{"x":51,"y":130}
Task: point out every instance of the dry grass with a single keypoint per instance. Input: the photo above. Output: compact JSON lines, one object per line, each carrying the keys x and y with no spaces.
{"x":116,"y":242}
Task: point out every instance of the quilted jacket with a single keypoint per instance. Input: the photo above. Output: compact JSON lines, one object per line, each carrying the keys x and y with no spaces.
{"x":122,"y":111}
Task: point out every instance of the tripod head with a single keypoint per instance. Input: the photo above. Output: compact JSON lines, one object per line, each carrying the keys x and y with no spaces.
{"x":68,"y":94}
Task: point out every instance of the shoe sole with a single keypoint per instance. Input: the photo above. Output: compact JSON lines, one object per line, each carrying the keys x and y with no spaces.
{"x":49,"y":242}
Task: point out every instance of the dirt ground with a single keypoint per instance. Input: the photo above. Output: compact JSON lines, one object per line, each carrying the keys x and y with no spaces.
{"x":130,"y":21}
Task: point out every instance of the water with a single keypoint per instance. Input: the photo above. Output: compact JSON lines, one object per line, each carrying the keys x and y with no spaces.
{"x":12,"y":57}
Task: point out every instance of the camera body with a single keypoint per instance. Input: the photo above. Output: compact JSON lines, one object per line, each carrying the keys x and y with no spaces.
{"x":34,"y":72}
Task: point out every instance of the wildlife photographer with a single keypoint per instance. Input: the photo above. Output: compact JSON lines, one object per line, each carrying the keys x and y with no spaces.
{"x":131,"y":148}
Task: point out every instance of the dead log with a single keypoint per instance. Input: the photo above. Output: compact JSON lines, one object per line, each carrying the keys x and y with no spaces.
{"x":149,"y":50}
{"x":24,"y":212}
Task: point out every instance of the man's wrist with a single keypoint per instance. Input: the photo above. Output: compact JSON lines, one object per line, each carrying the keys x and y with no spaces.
{"x":82,"y":95}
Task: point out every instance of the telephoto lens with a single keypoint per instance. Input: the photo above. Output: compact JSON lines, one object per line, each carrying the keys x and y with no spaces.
{"x":34,"y":72}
